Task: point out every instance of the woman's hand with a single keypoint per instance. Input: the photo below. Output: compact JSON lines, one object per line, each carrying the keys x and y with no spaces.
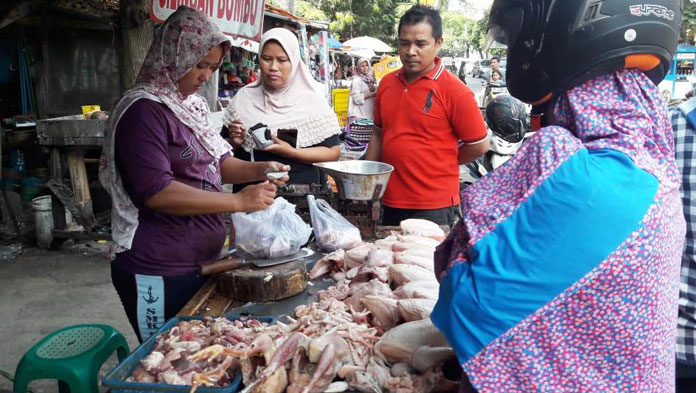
{"x":256,"y":197}
{"x":273,"y":166}
{"x":281,"y":148}
{"x":237,"y":132}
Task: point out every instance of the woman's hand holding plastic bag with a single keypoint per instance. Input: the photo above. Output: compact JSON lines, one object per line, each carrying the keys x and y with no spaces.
{"x":274,"y":232}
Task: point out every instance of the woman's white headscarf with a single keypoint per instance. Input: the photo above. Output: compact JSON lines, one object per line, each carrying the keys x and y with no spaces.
{"x":300,"y":105}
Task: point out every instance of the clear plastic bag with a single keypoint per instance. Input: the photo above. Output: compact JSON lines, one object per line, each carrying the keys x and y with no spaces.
{"x":275,"y":232}
{"x":331,"y":229}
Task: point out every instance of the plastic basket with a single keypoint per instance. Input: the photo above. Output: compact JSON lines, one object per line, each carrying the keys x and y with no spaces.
{"x":116,"y":378}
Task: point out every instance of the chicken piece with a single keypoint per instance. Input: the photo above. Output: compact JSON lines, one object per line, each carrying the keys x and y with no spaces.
{"x":387,"y":242}
{"x":403,"y":246}
{"x":363,"y":382}
{"x":282,"y":355}
{"x":378,"y":257}
{"x":434,"y":380}
{"x":297,"y":368}
{"x":357,"y":256}
{"x":325,"y":372}
{"x":142,"y":376}
{"x":319,"y":344}
{"x":213,"y":351}
{"x":152,"y":361}
{"x":189,"y":346}
{"x":414,"y":260}
{"x":400,"y":343}
{"x":423,"y":253}
{"x":372,"y":287}
{"x":379,"y":370}
{"x":400,"y":369}
{"x":211,"y":377}
{"x":424,"y":241}
{"x":166,"y":363}
{"x":402,"y":384}
{"x":426,"y":293}
{"x":262,"y":347}
{"x":170,"y":377}
{"x":337,"y":387}
{"x":326,"y":264}
{"x":407,"y":291}
{"x":415,"y":309}
{"x":367,"y":273}
{"x":403,"y":274}
{"x":418,"y":227}
{"x":385,"y":312}
{"x":426,"y":357}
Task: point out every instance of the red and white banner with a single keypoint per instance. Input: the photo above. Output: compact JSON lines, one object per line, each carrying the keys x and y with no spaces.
{"x":237,"y":18}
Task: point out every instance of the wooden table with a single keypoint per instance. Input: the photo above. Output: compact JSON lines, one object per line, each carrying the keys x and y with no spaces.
{"x":68,"y":138}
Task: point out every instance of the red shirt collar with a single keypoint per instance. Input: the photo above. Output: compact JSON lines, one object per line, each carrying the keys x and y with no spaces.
{"x":432,"y":74}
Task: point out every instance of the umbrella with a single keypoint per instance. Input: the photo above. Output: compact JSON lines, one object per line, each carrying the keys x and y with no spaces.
{"x":334,"y":43}
{"x":366,"y":42}
{"x":366,"y":53}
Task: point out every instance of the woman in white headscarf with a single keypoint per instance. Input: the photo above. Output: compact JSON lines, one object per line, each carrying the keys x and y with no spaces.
{"x":362,"y":92}
{"x":286,"y":97}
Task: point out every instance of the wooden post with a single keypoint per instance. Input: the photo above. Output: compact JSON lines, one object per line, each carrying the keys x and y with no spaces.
{"x":137,"y":32}
{"x":56,"y":168}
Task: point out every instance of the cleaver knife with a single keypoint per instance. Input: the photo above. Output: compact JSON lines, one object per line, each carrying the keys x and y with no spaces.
{"x":232,"y":262}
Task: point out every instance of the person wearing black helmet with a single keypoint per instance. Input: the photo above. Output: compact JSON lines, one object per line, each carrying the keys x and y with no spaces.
{"x":563,"y":274}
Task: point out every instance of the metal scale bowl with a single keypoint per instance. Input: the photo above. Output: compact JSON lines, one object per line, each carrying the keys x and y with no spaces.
{"x":361,"y":185}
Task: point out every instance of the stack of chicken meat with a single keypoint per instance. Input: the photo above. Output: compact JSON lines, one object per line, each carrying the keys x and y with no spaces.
{"x":370,"y":332}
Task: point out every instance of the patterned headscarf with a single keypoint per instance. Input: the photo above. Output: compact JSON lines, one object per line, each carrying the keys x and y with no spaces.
{"x":179,"y":44}
{"x":368,"y":76}
{"x":557,"y":346}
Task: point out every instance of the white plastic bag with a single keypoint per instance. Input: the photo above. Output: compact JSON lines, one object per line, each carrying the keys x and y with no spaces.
{"x":275,"y":232}
{"x":331,"y":229}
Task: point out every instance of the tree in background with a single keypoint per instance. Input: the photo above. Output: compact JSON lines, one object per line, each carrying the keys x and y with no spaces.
{"x":688,"y":31}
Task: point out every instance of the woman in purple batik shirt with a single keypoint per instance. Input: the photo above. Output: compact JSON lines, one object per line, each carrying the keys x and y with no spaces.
{"x":163,"y":164}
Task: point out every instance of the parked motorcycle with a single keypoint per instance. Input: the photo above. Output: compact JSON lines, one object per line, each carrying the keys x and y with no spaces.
{"x":493,"y":89}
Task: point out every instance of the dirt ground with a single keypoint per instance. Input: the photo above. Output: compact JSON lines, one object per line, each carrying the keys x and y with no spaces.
{"x":42,"y":291}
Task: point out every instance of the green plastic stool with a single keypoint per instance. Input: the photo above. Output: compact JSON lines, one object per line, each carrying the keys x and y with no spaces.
{"x":72,"y":355}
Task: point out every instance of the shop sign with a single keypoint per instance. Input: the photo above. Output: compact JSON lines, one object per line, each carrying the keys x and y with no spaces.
{"x":237,"y":18}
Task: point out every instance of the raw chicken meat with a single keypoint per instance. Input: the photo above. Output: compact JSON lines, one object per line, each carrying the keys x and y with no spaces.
{"x":401,"y":343}
{"x":387,"y":242}
{"x":419,"y":227}
{"x":403,"y":246}
{"x":403,"y":274}
{"x":407,"y":291}
{"x":415,"y":309}
{"x":328,"y":263}
{"x":424,"y":241}
{"x":339,"y":238}
{"x":425,"y":263}
{"x":385,"y":312}
{"x":355,"y":257}
{"x":378,"y":257}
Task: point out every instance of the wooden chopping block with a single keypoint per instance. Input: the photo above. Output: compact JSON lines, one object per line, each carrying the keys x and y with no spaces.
{"x":252,"y":284}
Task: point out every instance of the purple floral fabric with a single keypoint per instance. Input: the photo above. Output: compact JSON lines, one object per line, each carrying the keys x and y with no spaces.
{"x":614,"y":329}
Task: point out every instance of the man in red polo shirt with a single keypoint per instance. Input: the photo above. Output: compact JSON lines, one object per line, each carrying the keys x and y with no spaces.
{"x":427,"y":122}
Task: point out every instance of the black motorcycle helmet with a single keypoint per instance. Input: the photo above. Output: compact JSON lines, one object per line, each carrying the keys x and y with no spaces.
{"x":555,"y":45}
{"x":507,"y":117}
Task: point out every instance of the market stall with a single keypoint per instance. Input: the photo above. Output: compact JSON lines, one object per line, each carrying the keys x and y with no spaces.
{"x":358,"y":320}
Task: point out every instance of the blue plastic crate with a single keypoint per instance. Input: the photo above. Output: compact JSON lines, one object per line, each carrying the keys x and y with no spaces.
{"x":116,"y":378}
